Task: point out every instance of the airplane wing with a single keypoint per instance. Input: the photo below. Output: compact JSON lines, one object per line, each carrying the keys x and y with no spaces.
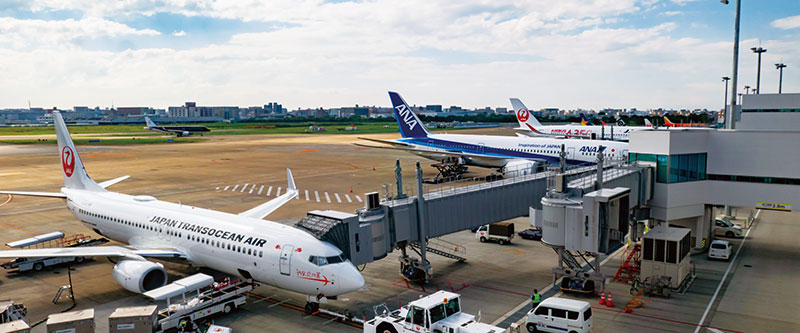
{"x":37,"y":194}
{"x":108,"y":183}
{"x":92,"y":251}
{"x":388,"y":142}
{"x":261,"y":211}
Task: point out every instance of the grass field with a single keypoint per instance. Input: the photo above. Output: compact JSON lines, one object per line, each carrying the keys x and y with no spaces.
{"x":216,"y":129}
{"x":119,"y":141}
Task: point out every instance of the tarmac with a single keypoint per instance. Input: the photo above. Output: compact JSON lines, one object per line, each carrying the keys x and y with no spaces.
{"x":495,"y":280}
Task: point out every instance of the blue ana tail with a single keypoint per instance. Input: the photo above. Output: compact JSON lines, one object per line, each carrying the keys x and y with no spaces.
{"x":410,"y":125}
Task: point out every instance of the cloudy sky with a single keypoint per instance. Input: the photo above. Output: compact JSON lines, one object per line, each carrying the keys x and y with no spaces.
{"x":567,"y":53}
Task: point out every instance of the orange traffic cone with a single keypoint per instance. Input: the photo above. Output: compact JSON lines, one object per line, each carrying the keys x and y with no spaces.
{"x":603,"y":298}
{"x":351,"y":190}
{"x":609,"y":302}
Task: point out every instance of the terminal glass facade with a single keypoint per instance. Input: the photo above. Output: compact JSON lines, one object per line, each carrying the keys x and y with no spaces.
{"x":675,"y":168}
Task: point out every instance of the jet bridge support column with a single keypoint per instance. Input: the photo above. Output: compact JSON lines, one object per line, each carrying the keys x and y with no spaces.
{"x":423,"y":230}
{"x":398,"y":175}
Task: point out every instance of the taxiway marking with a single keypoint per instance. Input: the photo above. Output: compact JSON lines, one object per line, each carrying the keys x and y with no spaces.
{"x":269,"y":191}
{"x":337,"y":197}
{"x":306,"y":195}
{"x":327,"y":197}
{"x":260,"y":189}
{"x":359,"y":198}
{"x":348,"y":198}
{"x":316,"y":194}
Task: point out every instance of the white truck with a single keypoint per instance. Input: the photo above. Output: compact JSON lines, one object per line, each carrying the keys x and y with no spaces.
{"x":501,"y":232}
{"x":439,"y":312}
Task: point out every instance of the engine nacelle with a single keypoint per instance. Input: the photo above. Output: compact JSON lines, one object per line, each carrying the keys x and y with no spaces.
{"x":516,"y":168}
{"x":186,"y":133}
{"x":139,"y":276}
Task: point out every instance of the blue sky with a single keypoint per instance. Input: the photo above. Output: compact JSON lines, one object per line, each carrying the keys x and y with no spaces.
{"x":568,"y":54}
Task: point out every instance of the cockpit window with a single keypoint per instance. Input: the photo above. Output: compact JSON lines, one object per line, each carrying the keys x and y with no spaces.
{"x":322,"y":261}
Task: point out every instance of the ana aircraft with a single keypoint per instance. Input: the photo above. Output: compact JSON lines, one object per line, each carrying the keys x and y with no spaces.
{"x":179,"y":130}
{"x":528,"y":125}
{"x":507,"y":153}
{"x":244,"y":245}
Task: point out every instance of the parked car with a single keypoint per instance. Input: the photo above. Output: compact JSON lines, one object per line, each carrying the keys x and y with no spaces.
{"x":720,"y":249}
{"x":532,"y":234}
{"x":723,"y":227}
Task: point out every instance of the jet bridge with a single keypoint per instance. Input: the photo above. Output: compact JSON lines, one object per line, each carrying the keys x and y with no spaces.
{"x":382,"y":226}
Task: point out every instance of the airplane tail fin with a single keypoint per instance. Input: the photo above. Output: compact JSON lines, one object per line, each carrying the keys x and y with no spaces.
{"x":410,"y":125}
{"x":75,"y":176}
{"x":524,"y":116}
{"x":603,"y":123}
{"x":584,"y":120}
{"x":620,"y":122}
{"x":667,"y":122}
{"x":149,"y":122}
{"x":647,"y":123}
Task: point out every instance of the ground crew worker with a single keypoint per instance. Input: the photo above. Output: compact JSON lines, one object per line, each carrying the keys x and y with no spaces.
{"x":536,"y":298}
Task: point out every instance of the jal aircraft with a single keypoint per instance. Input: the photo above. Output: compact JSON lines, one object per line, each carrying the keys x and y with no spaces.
{"x":528,"y":125}
{"x":244,"y":245}
{"x":179,"y":130}
{"x":507,"y":153}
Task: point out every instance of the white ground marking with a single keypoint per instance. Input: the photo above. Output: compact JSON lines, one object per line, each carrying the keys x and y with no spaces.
{"x":724,"y":277}
{"x":260,"y":189}
{"x":316,"y":194}
{"x":277,"y":194}
{"x":359,"y":198}
{"x":217,"y":188}
{"x":252,"y":188}
{"x":269,"y":190}
{"x":226,"y":188}
{"x":348,"y":198}
{"x":244,"y":187}
{"x":327,"y":197}
{"x":307,"y":195}
{"x":235,"y":187}
{"x":337,"y":197}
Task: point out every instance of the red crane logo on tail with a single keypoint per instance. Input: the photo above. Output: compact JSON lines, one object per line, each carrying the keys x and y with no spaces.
{"x":68,"y":160}
{"x":523,"y":115}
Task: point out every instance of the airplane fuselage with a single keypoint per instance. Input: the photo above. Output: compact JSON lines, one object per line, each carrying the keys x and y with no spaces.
{"x":502,"y":149}
{"x":615,"y":133}
{"x":269,"y":252}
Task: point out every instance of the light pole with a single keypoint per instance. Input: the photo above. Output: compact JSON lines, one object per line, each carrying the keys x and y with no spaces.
{"x":747,"y":90}
{"x":758,"y":50}
{"x":725,"y":106}
{"x":729,"y":116}
{"x":780,"y":67}
{"x":740,"y":98}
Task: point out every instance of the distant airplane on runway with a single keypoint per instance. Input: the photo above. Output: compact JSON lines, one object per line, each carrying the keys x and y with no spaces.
{"x":241,"y":244}
{"x":528,"y":125}
{"x":179,"y":130}
{"x":507,"y":153}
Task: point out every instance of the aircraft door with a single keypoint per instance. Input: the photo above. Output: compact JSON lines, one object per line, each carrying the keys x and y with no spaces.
{"x":481,"y":147}
{"x":286,"y":259}
{"x":571,"y":153}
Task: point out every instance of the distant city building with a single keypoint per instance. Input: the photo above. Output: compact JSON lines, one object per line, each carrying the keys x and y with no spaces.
{"x":434,"y":108}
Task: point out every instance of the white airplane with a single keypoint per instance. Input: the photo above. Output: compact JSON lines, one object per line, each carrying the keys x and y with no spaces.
{"x":508,"y":153}
{"x":244,"y":245}
{"x":528,"y":125}
{"x":178,"y":130}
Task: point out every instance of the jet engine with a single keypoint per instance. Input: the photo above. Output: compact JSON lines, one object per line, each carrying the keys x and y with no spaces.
{"x":185,"y":133}
{"x":139,"y":276}
{"x":516,"y":168}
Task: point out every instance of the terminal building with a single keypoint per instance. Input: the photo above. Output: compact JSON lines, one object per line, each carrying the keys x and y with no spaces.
{"x":699,"y":170}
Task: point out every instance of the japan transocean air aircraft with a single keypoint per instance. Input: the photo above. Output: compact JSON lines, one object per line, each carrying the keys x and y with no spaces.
{"x":528,"y":125}
{"x":244,"y":245}
{"x":507,"y":153}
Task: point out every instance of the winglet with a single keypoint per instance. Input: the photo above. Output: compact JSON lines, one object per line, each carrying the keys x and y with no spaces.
{"x":291,"y":179}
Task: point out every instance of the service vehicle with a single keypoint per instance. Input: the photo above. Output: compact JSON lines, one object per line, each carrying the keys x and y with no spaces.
{"x":501,"y":232}
{"x":720,"y":249}
{"x":439,"y":312}
{"x":199,"y":297}
{"x":560,"y":315}
{"x":10,"y":311}
{"x":54,"y":239}
{"x":723,"y":227}
{"x":531,"y":234}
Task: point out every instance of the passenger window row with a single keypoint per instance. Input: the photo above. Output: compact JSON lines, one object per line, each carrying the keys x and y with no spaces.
{"x":226,"y":246}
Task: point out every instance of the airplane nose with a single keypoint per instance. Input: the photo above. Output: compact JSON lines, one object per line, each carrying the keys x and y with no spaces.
{"x":350,"y":280}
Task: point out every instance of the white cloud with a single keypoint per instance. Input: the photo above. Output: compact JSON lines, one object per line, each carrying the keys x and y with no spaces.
{"x":178,"y":33}
{"x":16,"y":33}
{"x":786,"y":23}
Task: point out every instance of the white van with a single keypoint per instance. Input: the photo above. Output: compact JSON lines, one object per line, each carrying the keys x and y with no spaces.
{"x":560,"y":315}
{"x":720,"y":249}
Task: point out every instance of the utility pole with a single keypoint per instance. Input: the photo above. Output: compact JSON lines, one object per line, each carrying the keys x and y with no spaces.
{"x":780,"y":67}
{"x":758,"y":50}
{"x":725,"y":106}
{"x":747,"y":90}
{"x":729,"y":122}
